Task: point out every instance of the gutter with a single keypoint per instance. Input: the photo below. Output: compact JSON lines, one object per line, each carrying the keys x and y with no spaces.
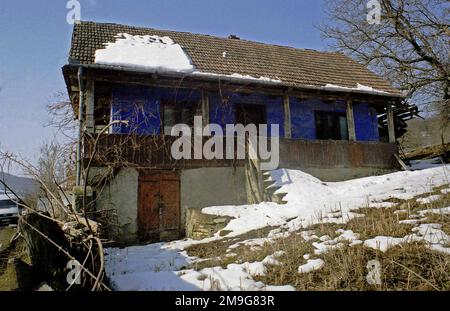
{"x":215,"y":77}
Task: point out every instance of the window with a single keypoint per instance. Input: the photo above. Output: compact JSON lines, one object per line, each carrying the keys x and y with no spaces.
{"x":103,"y":99}
{"x":181,"y":112}
{"x":331,"y":125}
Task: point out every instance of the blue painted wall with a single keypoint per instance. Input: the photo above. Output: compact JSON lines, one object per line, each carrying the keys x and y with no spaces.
{"x":141,"y":106}
{"x":224,"y":113}
{"x":366,"y":122}
{"x":303,"y":118}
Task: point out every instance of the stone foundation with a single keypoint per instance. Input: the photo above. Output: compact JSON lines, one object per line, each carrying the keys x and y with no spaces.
{"x":200,"y":226}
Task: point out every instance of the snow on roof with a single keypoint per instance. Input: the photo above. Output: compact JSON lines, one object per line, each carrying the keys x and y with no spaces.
{"x":359,"y":87}
{"x":237,"y":76}
{"x":146,"y":52}
{"x":155,"y":53}
{"x":100,"y":44}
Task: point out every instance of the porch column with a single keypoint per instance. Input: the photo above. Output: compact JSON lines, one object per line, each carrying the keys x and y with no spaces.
{"x":90,"y":103}
{"x":287,"y":117}
{"x":205,"y":108}
{"x":350,"y":121}
{"x":390,"y":123}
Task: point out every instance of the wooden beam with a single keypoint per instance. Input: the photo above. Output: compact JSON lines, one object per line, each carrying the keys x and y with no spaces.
{"x":90,"y":106}
{"x":390,"y":123}
{"x":205,"y":108}
{"x":350,"y":121}
{"x":287,"y":117}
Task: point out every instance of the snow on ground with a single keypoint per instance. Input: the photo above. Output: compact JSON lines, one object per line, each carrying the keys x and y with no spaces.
{"x":166,"y":266}
{"x":235,"y":277}
{"x":440,"y":211}
{"x":144,"y":52}
{"x":311,"y":265}
{"x":436,"y":239}
{"x":425,"y":164}
{"x":429,"y":199}
{"x":311,"y":201}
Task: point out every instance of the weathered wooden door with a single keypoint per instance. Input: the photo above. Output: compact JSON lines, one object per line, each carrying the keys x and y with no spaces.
{"x":159,"y":206}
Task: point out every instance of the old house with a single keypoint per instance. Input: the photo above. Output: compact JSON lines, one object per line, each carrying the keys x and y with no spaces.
{"x":130,"y":86}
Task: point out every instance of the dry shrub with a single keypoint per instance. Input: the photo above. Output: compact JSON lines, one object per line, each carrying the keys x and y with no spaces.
{"x":409,"y":267}
{"x":378,"y":221}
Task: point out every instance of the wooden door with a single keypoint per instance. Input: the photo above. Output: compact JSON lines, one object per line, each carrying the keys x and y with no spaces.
{"x":159,"y":206}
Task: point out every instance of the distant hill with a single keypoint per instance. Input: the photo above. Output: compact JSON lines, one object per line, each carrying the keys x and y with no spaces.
{"x":423,"y":133}
{"x":20,"y":185}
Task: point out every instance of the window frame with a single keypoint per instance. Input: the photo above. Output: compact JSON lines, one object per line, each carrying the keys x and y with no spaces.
{"x":336,"y":114}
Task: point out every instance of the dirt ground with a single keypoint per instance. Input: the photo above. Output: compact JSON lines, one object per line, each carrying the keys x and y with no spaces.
{"x":15,"y":273}
{"x":6,"y":233}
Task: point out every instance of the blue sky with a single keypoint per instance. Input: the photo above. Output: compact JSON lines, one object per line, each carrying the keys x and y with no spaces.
{"x":36,"y":39}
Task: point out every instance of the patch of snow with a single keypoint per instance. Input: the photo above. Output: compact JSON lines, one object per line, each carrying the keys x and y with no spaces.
{"x":308,"y":235}
{"x":359,"y":87}
{"x":346,"y":235}
{"x":381,"y":204}
{"x":235,"y":277}
{"x":255,"y":268}
{"x":326,"y":246}
{"x":411,"y":221}
{"x":308,"y":198}
{"x":432,"y":233}
{"x":445,"y":191}
{"x":355,"y":242}
{"x":325,"y":238}
{"x":237,"y":76}
{"x":429,"y":199}
{"x":440,"y":211}
{"x":440,"y":248}
{"x":311,"y":265}
{"x":429,"y":233}
{"x":271,"y":259}
{"x":145,"y":52}
{"x":425,"y":164}
{"x":383,"y":243}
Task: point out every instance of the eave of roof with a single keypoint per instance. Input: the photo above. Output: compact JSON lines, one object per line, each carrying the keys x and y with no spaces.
{"x":293,"y":63}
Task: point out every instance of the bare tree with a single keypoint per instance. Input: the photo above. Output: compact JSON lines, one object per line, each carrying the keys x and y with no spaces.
{"x":62,"y":116}
{"x":410,"y":45}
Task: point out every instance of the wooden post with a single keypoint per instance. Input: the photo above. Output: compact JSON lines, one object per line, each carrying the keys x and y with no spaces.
{"x":287,"y":117}
{"x":205,"y":108}
{"x":350,"y":121}
{"x":90,"y":106}
{"x":390,"y":123}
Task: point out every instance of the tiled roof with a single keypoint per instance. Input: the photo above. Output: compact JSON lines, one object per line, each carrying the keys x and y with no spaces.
{"x":294,"y":67}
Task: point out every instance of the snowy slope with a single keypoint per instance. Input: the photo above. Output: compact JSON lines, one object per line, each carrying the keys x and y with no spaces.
{"x":166,"y":266}
{"x":310,"y":200}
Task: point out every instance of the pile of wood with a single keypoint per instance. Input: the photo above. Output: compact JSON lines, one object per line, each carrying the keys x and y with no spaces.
{"x":429,"y":152}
